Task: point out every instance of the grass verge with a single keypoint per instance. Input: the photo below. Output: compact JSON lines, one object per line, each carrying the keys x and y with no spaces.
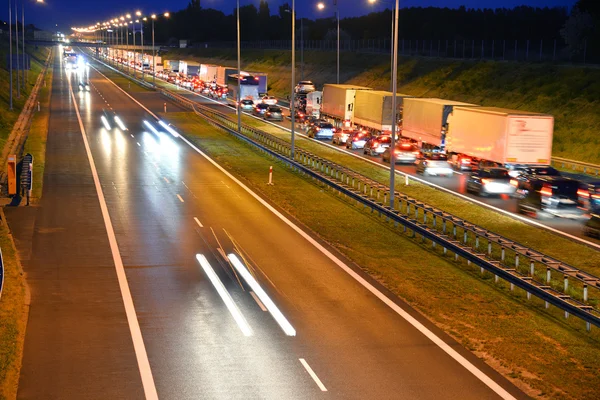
{"x":37,"y":137}
{"x":542,"y":353}
{"x":12,"y":317}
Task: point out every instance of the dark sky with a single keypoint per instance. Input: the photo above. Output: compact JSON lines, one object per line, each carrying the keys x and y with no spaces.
{"x":66,"y":13}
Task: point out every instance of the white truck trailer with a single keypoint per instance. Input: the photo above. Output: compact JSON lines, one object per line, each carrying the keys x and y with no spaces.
{"x":500,"y":135}
{"x":208,"y":72}
{"x":426,"y":120}
{"x":339,"y":102}
{"x":373,"y":109}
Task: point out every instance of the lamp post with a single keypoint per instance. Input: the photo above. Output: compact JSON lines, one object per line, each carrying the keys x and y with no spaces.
{"x":127,"y":22}
{"x":153,"y":17}
{"x":239,"y":72}
{"x":10,"y":69}
{"x":142,"y":33}
{"x":394,"y":110}
{"x":292,"y":112}
{"x":321,"y":6}
{"x":17,"y":48}
{"x":138,"y":14}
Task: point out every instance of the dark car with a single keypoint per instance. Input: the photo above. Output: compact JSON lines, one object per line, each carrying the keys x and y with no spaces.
{"x":463,"y":162}
{"x":589,"y":196}
{"x":273,"y":113}
{"x":592,"y":226}
{"x":260,"y":109}
{"x":550,"y":196}
{"x":527,"y":174}
{"x":486,"y":181}
{"x":84,"y":86}
{"x":376,"y":145}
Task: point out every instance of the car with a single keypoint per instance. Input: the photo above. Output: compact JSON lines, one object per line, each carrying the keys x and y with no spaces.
{"x":260,"y":109}
{"x":273,"y":113}
{"x":376,"y":145}
{"x":300,"y":116}
{"x":247,"y":105}
{"x":428,"y":167}
{"x":341,"y":136}
{"x":84,"y":86}
{"x":308,"y":122}
{"x":321,"y":130}
{"x":592,"y":226}
{"x":526,"y":174}
{"x":589,"y":196}
{"x":463,"y":162}
{"x":550,"y":196}
{"x":486,"y":181}
{"x":357,"y":140}
{"x":305,"y":87}
{"x":403,"y":153}
{"x":270,"y":100}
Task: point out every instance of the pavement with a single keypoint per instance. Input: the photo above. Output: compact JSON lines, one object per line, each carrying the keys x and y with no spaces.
{"x":166,"y":204}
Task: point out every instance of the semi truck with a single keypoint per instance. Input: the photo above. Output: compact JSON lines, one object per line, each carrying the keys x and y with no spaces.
{"x":503,"y":136}
{"x":208,"y":72}
{"x":373,"y":109}
{"x":313,"y":103}
{"x":223,"y":73}
{"x":426,"y":120}
{"x":262,"y":82}
{"x":338,"y":102}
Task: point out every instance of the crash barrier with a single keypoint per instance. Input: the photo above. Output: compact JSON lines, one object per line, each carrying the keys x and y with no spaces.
{"x":542,"y":276}
{"x":586,"y":168}
{"x":1,"y":273}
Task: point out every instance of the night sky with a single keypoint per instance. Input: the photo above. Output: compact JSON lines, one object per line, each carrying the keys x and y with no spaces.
{"x":68,"y":13}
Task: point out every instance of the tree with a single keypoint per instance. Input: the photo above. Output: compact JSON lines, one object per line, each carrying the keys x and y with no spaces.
{"x":578,"y":29}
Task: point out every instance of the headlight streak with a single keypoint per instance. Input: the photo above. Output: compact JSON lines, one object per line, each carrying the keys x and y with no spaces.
{"x":262,"y":295}
{"x":120,"y":123}
{"x":151,"y":127}
{"x":229,"y":303}
{"x":168,"y":128}
{"x":105,"y":123}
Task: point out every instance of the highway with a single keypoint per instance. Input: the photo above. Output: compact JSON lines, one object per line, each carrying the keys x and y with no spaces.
{"x":455,"y":184}
{"x":196,"y":329}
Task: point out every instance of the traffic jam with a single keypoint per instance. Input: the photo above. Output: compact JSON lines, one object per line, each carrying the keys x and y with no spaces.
{"x":503,"y":153}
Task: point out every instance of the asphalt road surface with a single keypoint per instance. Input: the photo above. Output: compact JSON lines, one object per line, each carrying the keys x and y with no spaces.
{"x":165,"y":203}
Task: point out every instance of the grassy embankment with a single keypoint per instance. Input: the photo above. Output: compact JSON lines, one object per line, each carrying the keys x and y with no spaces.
{"x":570,"y":93}
{"x":12,"y":304}
{"x":541,"y":352}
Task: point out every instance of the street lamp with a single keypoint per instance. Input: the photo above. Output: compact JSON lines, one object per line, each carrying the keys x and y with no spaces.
{"x":153,"y":17}
{"x":10,"y":69}
{"x":394,"y":91}
{"x":321,"y":6}
{"x":239,"y":72}
{"x":142,"y":33}
{"x":292,"y":111}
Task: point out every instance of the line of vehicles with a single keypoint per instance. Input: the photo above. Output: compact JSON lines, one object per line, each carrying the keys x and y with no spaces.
{"x":503,"y":152}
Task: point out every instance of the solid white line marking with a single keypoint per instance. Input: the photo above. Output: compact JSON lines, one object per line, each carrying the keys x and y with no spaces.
{"x":165,"y":178}
{"x":134,"y":326}
{"x":399,"y":310}
{"x":257,"y":300}
{"x":180,"y":199}
{"x":262,"y":295}
{"x":229,"y":303}
{"x":198,"y":222}
{"x":312,"y":374}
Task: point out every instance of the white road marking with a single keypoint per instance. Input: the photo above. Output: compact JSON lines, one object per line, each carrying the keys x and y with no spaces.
{"x":131,"y":135}
{"x":396,"y":308}
{"x":229,"y":303}
{"x":165,"y":178}
{"x":138,"y":143}
{"x":257,"y":300}
{"x":180,"y":199}
{"x":198,"y":222}
{"x":134,"y":326}
{"x":262,"y":295}
{"x":312,"y":374}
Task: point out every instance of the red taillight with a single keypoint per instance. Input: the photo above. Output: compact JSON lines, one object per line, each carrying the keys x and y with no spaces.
{"x":466,"y":161}
{"x":375,"y":144}
{"x":397,"y":152}
{"x":583,"y":193}
{"x":514,"y":182}
{"x":256,"y":78}
{"x":318,"y":129}
{"x":416,"y":153}
{"x":485,"y":181}
{"x":546,"y":191}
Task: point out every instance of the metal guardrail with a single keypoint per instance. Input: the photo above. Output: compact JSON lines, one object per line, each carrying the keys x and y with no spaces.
{"x":586,"y":168}
{"x":506,"y":259}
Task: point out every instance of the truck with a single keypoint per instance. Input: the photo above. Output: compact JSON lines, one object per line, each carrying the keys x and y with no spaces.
{"x":313,"y":103}
{"x":373,"y":110}
{"x":426,"y":120}
{"x":503,"y":136}
{"x":208,"y":72}
{"x":193,"y":68}
{"x":338,"y":102}
{"x":223,"y":73}
{"x":172,"y":65}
